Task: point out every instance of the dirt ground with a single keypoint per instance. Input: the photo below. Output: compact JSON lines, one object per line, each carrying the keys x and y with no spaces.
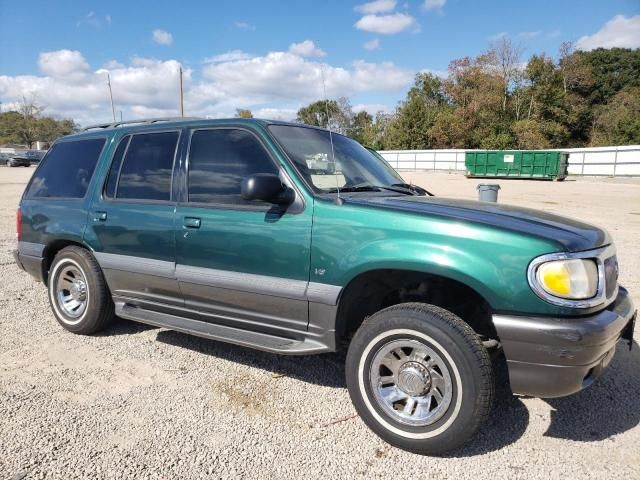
{"x":142,"y":402}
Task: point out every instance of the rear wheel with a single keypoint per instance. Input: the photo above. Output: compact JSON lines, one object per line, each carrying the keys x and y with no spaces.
{"x":78,"y":293}
{"x":420,"y":378}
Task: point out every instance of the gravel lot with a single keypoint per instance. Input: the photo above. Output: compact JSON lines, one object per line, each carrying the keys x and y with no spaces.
{"x":144,"y":402}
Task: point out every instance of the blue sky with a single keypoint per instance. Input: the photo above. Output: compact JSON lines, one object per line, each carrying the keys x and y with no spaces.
{"x":60,"y":51}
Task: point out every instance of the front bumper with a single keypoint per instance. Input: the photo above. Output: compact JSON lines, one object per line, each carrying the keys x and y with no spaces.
{"x":554,"y":357}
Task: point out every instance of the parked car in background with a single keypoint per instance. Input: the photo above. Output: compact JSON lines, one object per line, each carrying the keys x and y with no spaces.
{"x":25,"y":158}
{"x":242,"y":231}
{"x":4,"y":158}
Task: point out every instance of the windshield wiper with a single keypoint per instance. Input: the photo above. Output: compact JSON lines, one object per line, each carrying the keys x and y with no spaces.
{"x":355,"y":188}
{"x":372,"y":188}
{"x":413,"y":188}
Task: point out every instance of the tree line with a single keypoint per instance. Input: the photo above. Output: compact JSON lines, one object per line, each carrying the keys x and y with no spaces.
{"x":27,"y":125}
{"x":494,"y":101}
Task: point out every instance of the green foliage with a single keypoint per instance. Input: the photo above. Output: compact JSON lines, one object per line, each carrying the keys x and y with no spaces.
{"x":618,"y":121}
{"x":490,"y":101}
{"x":318,"y":113}
{"x":362,"y":129}
{"x":26,"y":130}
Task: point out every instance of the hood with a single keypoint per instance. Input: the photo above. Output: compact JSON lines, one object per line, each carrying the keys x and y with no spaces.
{"x":572,"y":235}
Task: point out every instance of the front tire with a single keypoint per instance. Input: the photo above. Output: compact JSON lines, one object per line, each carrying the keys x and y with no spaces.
{"x":420,"y":378}
{"x":78,"y":292}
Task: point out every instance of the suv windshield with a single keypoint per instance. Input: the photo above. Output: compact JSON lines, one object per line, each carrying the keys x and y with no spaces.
{"x":354,"y":168}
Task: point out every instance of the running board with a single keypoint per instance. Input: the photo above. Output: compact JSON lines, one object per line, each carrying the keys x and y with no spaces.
{"x":223,"y":333}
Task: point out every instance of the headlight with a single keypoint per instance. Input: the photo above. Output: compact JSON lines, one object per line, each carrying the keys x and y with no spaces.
{"x":575,"y":279}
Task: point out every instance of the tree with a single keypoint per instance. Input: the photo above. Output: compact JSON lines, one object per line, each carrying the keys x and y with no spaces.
{"x":576,"y":73}
{"x":362,"y":129}
{"x":27,"y":125}
{"x":318,"y":113}
{"x":528,"y":134}
{"x":243,"y":113}
{"x":618,"y":121}
{"x":505,"y":56}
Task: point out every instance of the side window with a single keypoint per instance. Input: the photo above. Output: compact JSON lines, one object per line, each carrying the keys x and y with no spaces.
{"x":67,"y":169}
{"x":116,"y":163}
{"x":218,"y":162}
{"x":146,"y":170}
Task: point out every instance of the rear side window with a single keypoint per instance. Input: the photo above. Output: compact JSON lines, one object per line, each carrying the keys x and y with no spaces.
{"x":146,"y":170}
{"x":67,"y":169}
{"x":218,"y":162}
{"x":116,"y":163}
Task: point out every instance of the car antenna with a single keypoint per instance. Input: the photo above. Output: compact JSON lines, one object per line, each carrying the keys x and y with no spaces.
{"x":338,"y":200}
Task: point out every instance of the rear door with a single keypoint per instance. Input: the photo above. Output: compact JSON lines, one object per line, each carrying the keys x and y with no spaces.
{"x":240,"y":263}
{"x":131,"y":222}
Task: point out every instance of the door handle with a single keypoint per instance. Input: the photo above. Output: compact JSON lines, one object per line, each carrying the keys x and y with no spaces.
{"x":191,"y":222}
{"x":100,"y":216}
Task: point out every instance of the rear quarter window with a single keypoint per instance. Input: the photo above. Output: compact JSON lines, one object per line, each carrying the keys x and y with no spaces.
{"x":66,"y":170}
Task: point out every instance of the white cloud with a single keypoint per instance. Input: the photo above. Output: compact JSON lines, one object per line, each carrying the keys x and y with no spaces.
{"x":285,"y":76}
{"x":274,"y":85}
{"x":89,"y":19}
{"x":372,"y":44}
{"x":529,"y":35}
{"x":162,"y":37}
{"x":107,"y":19}
{"x":386,"y":24}
{"x":434,"y":4}
{"x":306,"y":49}
{"x":244,"y":26}
{"x":230,"y":56}
{"x":620,"y":31}
{"x":377,"y":6}
{"x":497,"y":36}
{"x":285,"y":114}
{"x":68,"y":65}
{"x":112,"y":64}
{"x":443,"y":74}
{"x":371,"y":108}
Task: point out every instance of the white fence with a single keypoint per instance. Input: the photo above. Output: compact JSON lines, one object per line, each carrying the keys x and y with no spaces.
{"x":607,"y":161}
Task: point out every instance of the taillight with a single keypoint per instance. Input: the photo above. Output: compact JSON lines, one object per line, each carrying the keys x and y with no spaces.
{"x":19,"y":224}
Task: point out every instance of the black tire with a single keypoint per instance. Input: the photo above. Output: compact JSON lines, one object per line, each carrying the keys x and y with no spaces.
{"x":98,"y":310}
{"x":458,"y":349}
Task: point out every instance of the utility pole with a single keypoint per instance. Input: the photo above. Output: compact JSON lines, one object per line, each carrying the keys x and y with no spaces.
{"x":113,"y":110}
{"x":181,"y":96}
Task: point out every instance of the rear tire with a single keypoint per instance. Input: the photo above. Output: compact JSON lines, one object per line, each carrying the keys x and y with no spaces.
{"x":420,"y":378}
{"x":78,"y":292}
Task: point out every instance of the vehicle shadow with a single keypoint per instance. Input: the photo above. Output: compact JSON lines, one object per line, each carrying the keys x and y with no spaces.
{"x":326,"y":369}
{"x":606,"y":408}
{"x":507,"y":422}
{"x":124,"y":327}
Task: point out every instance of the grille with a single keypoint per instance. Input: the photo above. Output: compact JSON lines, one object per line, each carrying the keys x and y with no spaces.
{"x":611,"y":275}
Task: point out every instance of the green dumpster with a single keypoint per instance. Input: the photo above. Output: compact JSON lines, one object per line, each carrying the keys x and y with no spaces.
{"x":540,"y":164}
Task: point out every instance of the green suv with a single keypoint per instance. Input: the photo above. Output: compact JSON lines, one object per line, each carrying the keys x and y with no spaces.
{"x":296,"y":240}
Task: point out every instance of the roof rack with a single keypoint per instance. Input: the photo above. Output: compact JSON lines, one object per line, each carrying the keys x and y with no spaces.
{"x":142,"y":121}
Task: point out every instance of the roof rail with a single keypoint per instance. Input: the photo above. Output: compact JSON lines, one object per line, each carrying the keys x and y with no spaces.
{"x":142,"y":121}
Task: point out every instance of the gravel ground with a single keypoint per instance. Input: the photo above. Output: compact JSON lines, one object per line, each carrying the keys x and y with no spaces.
{"x":144,"y":402}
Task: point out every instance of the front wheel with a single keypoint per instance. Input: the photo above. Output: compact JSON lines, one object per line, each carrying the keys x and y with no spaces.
{"x":420,"y":378}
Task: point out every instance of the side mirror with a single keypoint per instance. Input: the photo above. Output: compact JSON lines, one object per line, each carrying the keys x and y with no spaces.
{"x":266,"y":187}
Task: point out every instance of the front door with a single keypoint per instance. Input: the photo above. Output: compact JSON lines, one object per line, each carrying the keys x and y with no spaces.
{"x":131,"y":223}
{"x":239,"y":263}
